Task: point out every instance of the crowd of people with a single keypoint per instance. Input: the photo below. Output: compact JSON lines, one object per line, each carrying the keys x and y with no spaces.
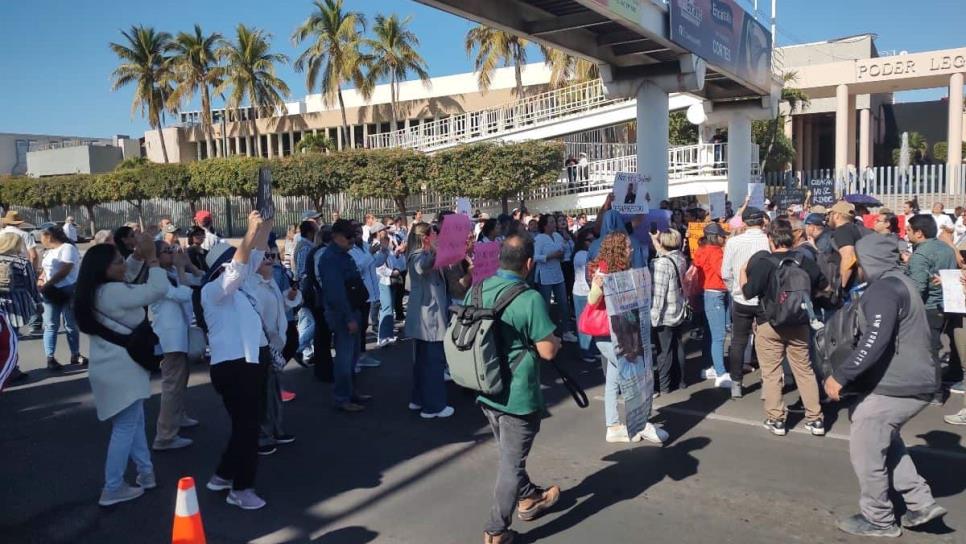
{"x":770,"y":279}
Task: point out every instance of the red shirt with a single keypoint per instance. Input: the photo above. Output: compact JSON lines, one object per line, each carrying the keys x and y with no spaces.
{"x":708,"y":260}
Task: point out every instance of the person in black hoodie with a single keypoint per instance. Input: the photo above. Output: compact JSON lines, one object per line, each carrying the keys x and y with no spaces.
{"x":895,"y":384}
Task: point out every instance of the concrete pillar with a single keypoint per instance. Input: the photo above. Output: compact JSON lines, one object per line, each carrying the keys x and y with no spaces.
{"x":652,"y":143}
{"x":807,"y":160}
{"x":291,"y":142}
{"x":841,"y":130}
{"x":197,"y":150}
{"x":739,"y":157}
{"x":865,"y":139}
{"x":954,"y":134}
{"x":338,"y":138}
{"x":281,"y":144}
{"x":237,"y":145}
{"x":852,"y":132}
{"x":268,"y":144}
{"x":798,"y":141}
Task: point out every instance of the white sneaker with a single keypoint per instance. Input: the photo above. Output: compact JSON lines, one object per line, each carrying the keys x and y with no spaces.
{"x":651,"y":433}
{"x":188,"y":422}
{"x":414,"y":406}
{"x":386,"y":341}
{"x":446,"y":376}
{"x":175,"y":443}
{"x":246,"y":499}
{"x":723,"y":380}
{"x":217,"y":483}
{"x":710,"y":374}
{"x":617,"y":433}
{"x":569,"y":337}
{"x":147,"y":480}
{"x":445,"y":412}
{"x":367,"y":361}
{"x":121,"y":494}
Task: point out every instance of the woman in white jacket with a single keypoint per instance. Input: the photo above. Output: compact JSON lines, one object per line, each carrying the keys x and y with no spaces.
{"x":171,"y":317}
{"x":120,"y":385}
{"x":548,"y":275}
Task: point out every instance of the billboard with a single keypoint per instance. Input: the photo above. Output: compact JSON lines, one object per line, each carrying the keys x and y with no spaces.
{"x":728,"y":38}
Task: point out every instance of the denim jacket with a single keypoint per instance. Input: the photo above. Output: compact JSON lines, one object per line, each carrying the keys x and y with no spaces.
{"x":336,"y":268}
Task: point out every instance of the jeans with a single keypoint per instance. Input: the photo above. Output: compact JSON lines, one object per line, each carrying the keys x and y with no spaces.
{"x":271,"y":424}
{"x":716,"y":312}
{"x":363,"y":321}
{"x":128,"y":440}
{"x":584,"y":340}
{"x":743,"y":317}
{"x":306,"y":326}
{"x":242,"y":388}
{"x":611,"y":382}
{"x":514,"y":437}
{"x":346,"y":355}
{"x":671,"y":345}
{"x":385,"y":328}
{"x":559,"y":291}
{"x":937,"y":326}
{"x":322,"y":342}
{"x":52,"y":315}
{"x":174,"y":384}
{"x":398,"y":292}
{"x":429,"y":388}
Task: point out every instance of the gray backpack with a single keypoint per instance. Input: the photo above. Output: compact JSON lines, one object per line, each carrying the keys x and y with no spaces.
{"x":475,"y":352}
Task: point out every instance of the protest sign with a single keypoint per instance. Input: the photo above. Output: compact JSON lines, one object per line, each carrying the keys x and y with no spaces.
{"x":451,"y":244}
{"x":954,"y":299}
{"x":787,"y":198}
{"x":264,"y":202}
{"x":631,"y":194}
{"x":756,"y":195}
{"x":463,"y":205}
{"x":658,"y":220}
{"x":718,"y":201}
{"x":486,"y":260}
{"x":823,"y":192}
{"x":869,"y":220}
{"x":695,"y":232}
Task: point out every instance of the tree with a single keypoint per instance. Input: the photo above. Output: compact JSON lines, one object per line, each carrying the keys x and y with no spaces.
{"x":126,"y":184}
{"x":314,"y":176}
{"x":230,"y":176}
{"x":680,"y":130}
{"x":566,"y":69}
{"x":250,"y":73}
{"x":146,"y":65}
{"x":918,"y":149}
{"x":394,"y":55}
{"x":335,"y":55}
{"x":796,"y":99}
{"x":80,"y":190}
{"x":315,"y":143}
{"x":196,"y":69}
{"x":782,"y":150}
{"x":392,"y":173}
{"x":494,"y":47}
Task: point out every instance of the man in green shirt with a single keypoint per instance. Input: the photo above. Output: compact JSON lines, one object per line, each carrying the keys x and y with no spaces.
{"x":515,"y":414}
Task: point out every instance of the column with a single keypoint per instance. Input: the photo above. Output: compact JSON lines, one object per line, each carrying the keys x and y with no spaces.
{"x":739,"y":158}
{"x":652,"y":144}
{"x":291,"y":141}
{"x":865,"y":139}
{"x":954,"y":134}
{"x":841,"y":130}
{"x":338,"y":138}
{"x":268,"y":144}
{"x":197,"y":149}
{"x":852,"y":131}
{"x":219,"y":147}
{"x":281,"y":144}
{"x":807,"y":144}
{"x":365,"y":134}
{"x":237,"y":144}
{"x":798,"y":141}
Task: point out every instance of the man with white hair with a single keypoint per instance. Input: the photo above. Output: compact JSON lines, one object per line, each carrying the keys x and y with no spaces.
{"x":70,"y":229}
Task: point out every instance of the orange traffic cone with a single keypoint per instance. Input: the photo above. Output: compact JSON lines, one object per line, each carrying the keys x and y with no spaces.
{"x":187,"y":517}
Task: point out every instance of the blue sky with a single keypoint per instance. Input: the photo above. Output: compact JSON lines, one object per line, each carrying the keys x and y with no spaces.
{"x":56,"y":65}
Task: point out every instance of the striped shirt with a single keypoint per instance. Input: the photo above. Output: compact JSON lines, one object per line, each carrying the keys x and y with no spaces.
{"x":667,"y":306}
{"x":737,"y":253}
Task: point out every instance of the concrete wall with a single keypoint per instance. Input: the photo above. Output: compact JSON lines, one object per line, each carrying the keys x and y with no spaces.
{"x":178,"y":147}
{"x":858,"y":47}
{"x":82,"y":159}
{"x":8,"y":149}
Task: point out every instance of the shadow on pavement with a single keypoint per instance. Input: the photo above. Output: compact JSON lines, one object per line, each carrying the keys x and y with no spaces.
{"x":348,"y":535}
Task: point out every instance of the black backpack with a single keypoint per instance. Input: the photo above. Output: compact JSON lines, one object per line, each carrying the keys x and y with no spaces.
{"x":309,"y":284}
{"x":790,"y":297}
{"x":839,"y":337}
{"x":829,"y":263}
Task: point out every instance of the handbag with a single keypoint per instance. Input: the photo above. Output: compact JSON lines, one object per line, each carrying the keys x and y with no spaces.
{"x":197,"y":342}
{"x":54,"y":294}
{"x":593,"y":320}
{"x":141,"y":344}
{"x":688,"y":313}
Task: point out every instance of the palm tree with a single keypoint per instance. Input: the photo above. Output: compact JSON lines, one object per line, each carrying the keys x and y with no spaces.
{"x":315,"y":143}
{"x":196,"y":68}
{"x":145,"y":63}
{"x":394,"y":55}
{"x":566,"y":69}
{"x":250,"y":73}
{"x":494,"y":47}
{"x":335,"y":54}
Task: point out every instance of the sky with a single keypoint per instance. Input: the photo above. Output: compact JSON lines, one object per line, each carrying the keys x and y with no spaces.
{"x":56,"y":65}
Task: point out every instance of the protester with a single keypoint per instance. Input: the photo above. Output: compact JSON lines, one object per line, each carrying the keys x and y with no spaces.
{"x":125,"y":240}
{"x":943,"y":221}
{"x":70,"y":229}
{"x":669,"y":308}
{"x":8,"y":350}
{"x":308,"y":230}
{"x":567,"y":263}
{"x":581,"y":289}
{"x":893,"y":386}
{"x":196,"y":253}
{"x":844,"y":236}
{"x":312,"y":298}
{"x":426,"y":321}
{"x":392,"y":261}
{"x":490,"y":232}
{"x":19,"y":296}
{"x":61,"y":265}
{"x":103,"y":237}
{"x":514,"y":415}
{"x":708,"y":259}
{"x":11,"y":224}
{"x":106,"y":304}
{"x":362,"y":253}
{"x":817,"y":234}
{"x":548,"y":275}
{"x":203,"y":219}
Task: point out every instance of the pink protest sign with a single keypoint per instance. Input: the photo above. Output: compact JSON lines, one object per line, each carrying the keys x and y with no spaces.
{"x":486,"y":260}
{"x":451,"y":244}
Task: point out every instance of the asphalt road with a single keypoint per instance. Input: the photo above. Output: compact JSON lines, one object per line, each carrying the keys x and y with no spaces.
{"x":388,"y":476}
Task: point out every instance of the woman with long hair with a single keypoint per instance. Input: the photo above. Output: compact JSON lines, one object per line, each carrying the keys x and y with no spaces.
{"x":18,"y":288}
{"x":581,"y":289}
{"x":125,"y":241}
{"x":668,"y":306}
{"x":105,"y":303}
{"x":60,"y":264}
{"x":567,"y":263}
{"x":549,"y":251}
{"x":707,"y":259}
{"x":426,"y":320}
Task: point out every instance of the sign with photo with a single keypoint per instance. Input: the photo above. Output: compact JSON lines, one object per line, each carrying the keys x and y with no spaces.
{"x":631,"y":193}
{"x":823,"y":191}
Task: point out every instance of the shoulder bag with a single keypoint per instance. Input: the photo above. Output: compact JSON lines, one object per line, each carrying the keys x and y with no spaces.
{"x":141,"y":344}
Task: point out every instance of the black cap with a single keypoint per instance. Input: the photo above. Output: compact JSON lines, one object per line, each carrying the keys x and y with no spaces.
{"x":815,"y":219}
{"x":344,"y":227}
{"x":752,"y":213}
{"x":714,"y":229}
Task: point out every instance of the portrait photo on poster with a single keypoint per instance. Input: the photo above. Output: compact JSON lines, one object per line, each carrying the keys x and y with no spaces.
{"x":631,"y":193}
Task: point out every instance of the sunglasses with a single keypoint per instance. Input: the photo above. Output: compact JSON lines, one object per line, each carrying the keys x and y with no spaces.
{"x":169,"y":250}
{"x":271,"y":257}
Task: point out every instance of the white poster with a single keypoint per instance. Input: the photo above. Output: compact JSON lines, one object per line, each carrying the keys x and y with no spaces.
{"x":756,"y":195}
{"x":631,"y":194}
{"x":954,"y":298}
{"x":718,"y":204}
{"x":463,"y":205}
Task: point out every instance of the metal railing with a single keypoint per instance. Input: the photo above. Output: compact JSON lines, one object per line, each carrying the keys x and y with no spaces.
{"x":68,"y":143}
{"x":523,"y":113}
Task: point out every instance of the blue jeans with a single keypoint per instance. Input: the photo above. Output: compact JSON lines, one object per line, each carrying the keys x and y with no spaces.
{"x":559,"y":291}
{"x":385,"y":327}
{"x":346,"y":354}
{"x":585,"y":341}
{"x":716,"y":311}
{"x":611,"y":382}
{"x":128,"y":440}
{"x":429,"y":389}
{"x":306,"y":328}
{"x":52,"y":316}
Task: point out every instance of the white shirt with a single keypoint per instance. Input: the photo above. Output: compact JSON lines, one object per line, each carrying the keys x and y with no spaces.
{"x":581,"y":288}
{"x":70,"y":230}
{"x":943,"y":222}
{"x":211,"y":239}
{"x":548,"y":270}
{"x":170,"y":318}
{"x":271,"y":306}
{"x":234,"y":326}
{"x":737,"y":253}
{"x":55,"y":259}
{"x":960,"y":231}
{"x":28,"y":239}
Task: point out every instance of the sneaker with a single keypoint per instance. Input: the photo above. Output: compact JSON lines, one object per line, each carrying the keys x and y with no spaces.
{"x":267,"y":449}
{"x":617,"y":433}
{"x":534,"y":506}
{"x":287,"y":396}
{"x":16,"y":375}
{"x":175,"y":443}
{"x":710,"y":374}
{"x":284,"y":438}
{"x":735,"y":390}
{"x":798,"y":407}
{"x":777,"y":427}
{"x":54,"y":366}
{"x":506,"y":537}
{"x":957,"y":388}
{"x":361,"y":398}
{"x":817,"y":427}
{"x":924,"y":516}
{"x":414,"y":406}
{"x":350,"y":407}
{"x":651,"y":433}
{"x":300,"y":360}
{"x":446,"y":375}
{"x":367,"y":361}
{"x":386,"y":341}
{"x":959,"y":418}
{"x":569,"y":337}
{"x":121,"y":494}
{"x":589,"y":360}
{"x":859,"y":526}
{"x":246,"y":499}
{"x":723,"y":381}
{"x":938,"y":399}
{"x":147,"y":480}
{"x":445,"y":412}
{"x":217,"y":483}
{"x":78,"y":360}
{"x":188,"y":422}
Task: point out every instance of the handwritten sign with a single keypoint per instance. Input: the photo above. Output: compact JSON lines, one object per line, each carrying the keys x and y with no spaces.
{"x":451,"y":244}
{"x":787,"y":198}
{"x":756,"y":195}
{"x":695,"y":232}
{"x":718,"y":202}
{"x":264,"y":202}
{"x":631,"y":194}
{"x":954,"y":299}
{"x":486,"y":260}
{"x":823,"y":192}
{"x":463,"y":205}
